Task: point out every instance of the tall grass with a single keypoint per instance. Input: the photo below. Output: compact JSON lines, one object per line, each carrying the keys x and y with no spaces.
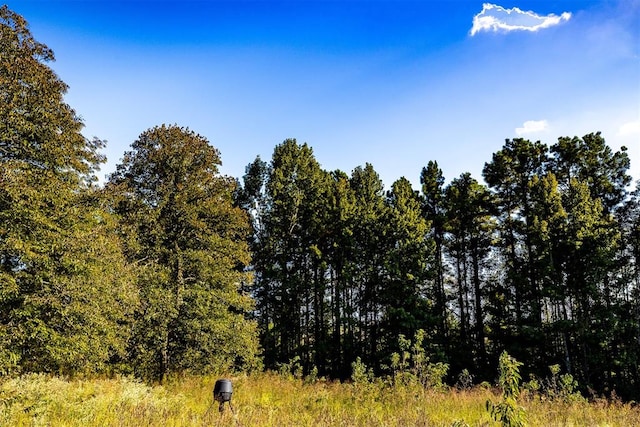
{"x":275,"y":400}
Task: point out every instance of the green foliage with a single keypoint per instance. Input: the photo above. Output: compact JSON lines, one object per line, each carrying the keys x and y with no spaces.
{"x":152,"y":274}
{"x":291,"y":369}
{"x":360,"y":374}
{"x":189,"y":242}
{"x":66,"y":295}
{"x":532,"y":386}
{"x":507,"y":411}
{"x":412,"y":366}
{"x":312,"y":377}
{"x":39,"y":132}
{"x":561,"y":386}
{"x":270,"y":400}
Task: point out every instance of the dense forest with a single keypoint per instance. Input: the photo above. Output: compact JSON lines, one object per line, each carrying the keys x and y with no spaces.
{"x":169,"y":266}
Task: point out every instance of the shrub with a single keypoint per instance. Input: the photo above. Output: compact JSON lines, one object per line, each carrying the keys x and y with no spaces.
{"x":508,"y":412}
{"x":359,"y":372}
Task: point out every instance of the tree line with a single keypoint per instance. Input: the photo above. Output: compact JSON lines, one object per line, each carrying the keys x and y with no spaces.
{"x":541,"y":261}
{"x":170,"y":266}
{"x":142,"y":275}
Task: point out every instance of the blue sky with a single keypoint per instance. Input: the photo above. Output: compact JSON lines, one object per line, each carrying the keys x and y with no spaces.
{"x":389,"y":82}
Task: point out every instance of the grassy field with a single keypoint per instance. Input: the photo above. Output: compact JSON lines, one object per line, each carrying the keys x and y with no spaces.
{"x":275,"y":400}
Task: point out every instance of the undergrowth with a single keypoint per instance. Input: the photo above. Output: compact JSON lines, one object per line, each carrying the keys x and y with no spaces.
{"x":412,"y":395}
{"x":270,"y":399}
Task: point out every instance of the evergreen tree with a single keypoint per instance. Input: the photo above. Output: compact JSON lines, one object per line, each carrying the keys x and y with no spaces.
{"x":470,"y":228}
{"x":547,"y":232}
{"x":510,"y":174}
{"x":589,"y":248}
{"x":433,"y":197}
{"x":291,"y":283}
{"x":408,"y":266}
{"x":592,"y":258}
{"x":342,"y":271}
{"x":589,"y":159}
{"x":624,"y":363}
{"x":370,"y":232}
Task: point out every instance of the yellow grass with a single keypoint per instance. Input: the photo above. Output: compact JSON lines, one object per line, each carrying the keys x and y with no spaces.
{"x":273,"y":400}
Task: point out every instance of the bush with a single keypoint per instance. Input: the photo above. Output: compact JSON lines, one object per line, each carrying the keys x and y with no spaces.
{"x":508,"y":412}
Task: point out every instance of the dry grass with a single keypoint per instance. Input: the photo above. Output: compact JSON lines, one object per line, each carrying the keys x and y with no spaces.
{"x":273,"y":400}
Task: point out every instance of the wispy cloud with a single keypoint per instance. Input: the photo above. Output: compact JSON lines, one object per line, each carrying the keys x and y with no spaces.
{"x":630,"y":128}
{"x":497,"y":18}
{"x":629,"y":135}
{"x":532,"y":126}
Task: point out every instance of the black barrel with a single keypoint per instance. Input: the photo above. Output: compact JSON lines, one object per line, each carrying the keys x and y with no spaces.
{"x":222,"y":391}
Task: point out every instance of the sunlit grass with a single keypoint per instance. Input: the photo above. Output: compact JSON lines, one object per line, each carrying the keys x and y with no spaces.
{"x":274,"y":400}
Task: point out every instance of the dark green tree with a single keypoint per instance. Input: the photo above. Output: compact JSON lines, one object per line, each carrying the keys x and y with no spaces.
{"x":290,"y":245}
{"x":590,"y":244}
{"x":432,"y":181}
{"x":370,"y":232}
{"x":625,"y":348}
{"x":547,"y":233}
{"x":510,"y":174}
{"x":190,"y":243}
{"x":593,"y":258}
{"x":470,"y":229}
{"x":409,"y":262}
{"x":342,"y":271}
{"x":589,"y":159}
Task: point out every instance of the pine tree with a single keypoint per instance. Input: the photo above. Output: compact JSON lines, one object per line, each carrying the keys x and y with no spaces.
{"x":510,"y":174}
{"x":370,"y":233}
{"x":408,"y":265}
{"x":432,"y":181}
{"x":470,"y":227}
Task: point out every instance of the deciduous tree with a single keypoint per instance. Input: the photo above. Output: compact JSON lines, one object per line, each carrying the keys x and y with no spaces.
{"x":190,"y":242}
{"x":65,"y":290}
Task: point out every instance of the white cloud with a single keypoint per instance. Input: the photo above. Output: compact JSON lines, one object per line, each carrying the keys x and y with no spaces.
{"x":497,"y":18}
{"x":532,"y":126}
{"x":629,"y":136}
{"x":630,"y":128}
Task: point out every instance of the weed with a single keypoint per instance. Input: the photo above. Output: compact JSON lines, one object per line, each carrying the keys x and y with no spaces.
{"x":270,"y":399}
{"x":507,"y":411}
